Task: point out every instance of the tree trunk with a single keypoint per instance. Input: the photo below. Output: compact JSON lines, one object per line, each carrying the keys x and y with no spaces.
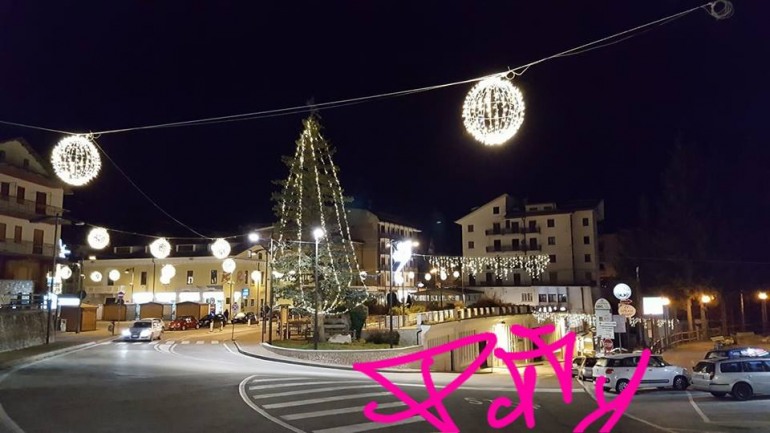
{"x":704,"y":326}
{"x":690,"y":321}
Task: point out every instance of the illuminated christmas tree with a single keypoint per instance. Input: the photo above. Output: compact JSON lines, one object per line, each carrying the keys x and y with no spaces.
{"x":312,"y":198}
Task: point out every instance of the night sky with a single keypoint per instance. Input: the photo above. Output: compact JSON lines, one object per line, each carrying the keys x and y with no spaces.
{"x":597,"y":125}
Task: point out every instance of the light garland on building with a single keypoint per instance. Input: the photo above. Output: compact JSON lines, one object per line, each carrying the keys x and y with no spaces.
{"x":98,"y":238}
{"x":493,"y":110}
{"x":160,"y":248}
{"x":574,"y":320}
{"x":501,"y":266}
{"x":76,"y":160}
{"x":220,"y":248}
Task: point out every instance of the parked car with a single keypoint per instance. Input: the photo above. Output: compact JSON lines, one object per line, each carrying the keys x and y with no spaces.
{"x":244,"y":317}
{"x":576,"y":363}
{"x":182,"y":323}
{"x":737,"y":352}
{"x":145,"y":329}
{"x":206,"y":320}
{"x":740,"y":377}
{"x":586,"y":370}
{"x":618,"y":369}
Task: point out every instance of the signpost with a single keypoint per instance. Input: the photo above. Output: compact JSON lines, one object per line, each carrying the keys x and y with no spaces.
{"x":605,"y":326}
{"x":626,"y":310}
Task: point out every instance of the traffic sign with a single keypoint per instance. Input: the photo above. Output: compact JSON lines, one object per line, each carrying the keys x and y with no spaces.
{"x":235,"y":308}
{"x":121,"y":294}
{"x":608,"y":344}
{"x":245,"y":292}
{"x":626,"y":310}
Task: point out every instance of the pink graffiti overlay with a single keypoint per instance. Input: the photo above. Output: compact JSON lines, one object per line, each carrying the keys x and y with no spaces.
{"x":523,"y":384}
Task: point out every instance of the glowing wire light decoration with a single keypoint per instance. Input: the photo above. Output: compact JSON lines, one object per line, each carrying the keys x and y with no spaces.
{"x":168,"y":270}
{"x":76,"y":160}
{"x":493,"y":111}
{"x":228,"y":266}
{"x":220,"y":248}
{"x":98,"y":238}
{"x":160,"y":248}
{"x":65,"y":272}
{"x":114,"y":275}
{"x":96,"y":276}
{"x":164,"y":279}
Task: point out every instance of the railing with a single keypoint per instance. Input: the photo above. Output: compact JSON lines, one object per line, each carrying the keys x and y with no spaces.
{"x":673,"y":340}
{"x":512,"y":231}
{"x":509,"y":248}
{"x":441,"y":316}
{"x":10,"y":203}
{"x":26,"y":247}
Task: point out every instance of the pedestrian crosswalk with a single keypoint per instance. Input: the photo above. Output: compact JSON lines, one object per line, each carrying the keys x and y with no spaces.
{"x":166,"y":342}
{"x":325,"y":405}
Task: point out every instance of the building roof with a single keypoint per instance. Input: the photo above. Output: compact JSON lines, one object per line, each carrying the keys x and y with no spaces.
{"x":515,"y":208}
{"x":41,"y":172}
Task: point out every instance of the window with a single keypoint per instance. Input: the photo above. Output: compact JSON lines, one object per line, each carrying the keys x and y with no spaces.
{"x":526,"y":297}
{"x":586,"y":240}
{"x":552,"y":258}
{"x":17,"y":234}
{"x":143,"y":278}
{"x":471,"y":280}
{"x":3,"y":229}
{"x":497,"y":245}
{"x":533,"y":244}
{"x":562,"y":297}
{"x":507,"y":224}
{"x":37,"y":242}
{"x":550,"y":222}
{"x":496,"y":228}
{"x":601,"y":266}
{"x":552,"y":298}
{"x":122,"y":250}
{"x":588,"y":258}
{"x":489,"y":278}
{"x":517,"y":280}
{"x":20,"y":194}
{"x":754,"y":366}
{"x":533,"y":226}
{"x":551,"y":240}
{"x":730,"y":367}
{"x":585,"y":222}
{"x":542,"y":298}
{"x":496,"y":210}
{"x":589,"y":276}
{"x":110,"y":282}
{"x":498,"y":281}
{"x":470,"y":245}
{"x":553,"y":277}
{"x":516,"y":227}
{"x":214,"y":278}
{"x":470,"y":228}
{"x":5,"y":190}
{"x":190,"y":278}
{"x":515,"y":244}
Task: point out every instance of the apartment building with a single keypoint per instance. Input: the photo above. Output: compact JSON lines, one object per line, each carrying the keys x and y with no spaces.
{"x":31,"y":197}
{"x":567,"y":233}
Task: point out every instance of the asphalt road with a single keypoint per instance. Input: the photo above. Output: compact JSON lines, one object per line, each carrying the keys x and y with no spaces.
{"x":196,"y":382}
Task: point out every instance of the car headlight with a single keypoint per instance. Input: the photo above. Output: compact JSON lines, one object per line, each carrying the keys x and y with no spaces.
{"x":146,"y":333}
{"x":125,"y":332}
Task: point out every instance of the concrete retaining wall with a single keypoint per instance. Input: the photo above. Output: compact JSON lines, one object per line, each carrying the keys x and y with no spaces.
{"x":345,"y":357}
{"x":22,"y":328}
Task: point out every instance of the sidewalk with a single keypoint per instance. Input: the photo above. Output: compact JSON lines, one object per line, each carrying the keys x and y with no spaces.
{"x":688,"y":354}
{"x":61,"y":342}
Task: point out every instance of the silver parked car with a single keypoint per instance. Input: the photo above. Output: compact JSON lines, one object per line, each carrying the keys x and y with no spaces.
{"x":740,"y":377}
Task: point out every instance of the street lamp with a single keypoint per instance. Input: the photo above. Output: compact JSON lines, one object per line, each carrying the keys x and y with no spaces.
{"x":763,"y":298}
{"x":401,"y":252}
{"x":704,"y":300}
{"x":318,"y":234}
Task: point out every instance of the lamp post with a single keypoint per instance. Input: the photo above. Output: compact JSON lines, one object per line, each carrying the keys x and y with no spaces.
{"x":763,"y":298}
{"x":666,"y":302}
{"x":318,"y":234}
{"x":704,"y":300}
{"x":403,"y":253}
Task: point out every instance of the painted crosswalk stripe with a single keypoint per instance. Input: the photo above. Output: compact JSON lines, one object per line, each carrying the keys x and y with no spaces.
{"x":215,"y":342}
{"x":286,"y":379}
{"x":199,"y":342}
{"x":368,"y":426}
{"x":286,"y":385}
{"x":296,"y":403}
{"x":312,"y":391}
{"x":169,"y":342}
{"x":186,"y":342}
{"x":354,"y":409}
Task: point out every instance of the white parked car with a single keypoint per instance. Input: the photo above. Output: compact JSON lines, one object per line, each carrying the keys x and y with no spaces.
{"x":739,"y":377}
{"x":145,"y":329}
{"x":618,"y":369}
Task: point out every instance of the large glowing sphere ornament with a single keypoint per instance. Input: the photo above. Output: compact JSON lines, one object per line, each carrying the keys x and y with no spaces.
{"x":220,"y":248}
{"x":114,"y":275}
{"x":65,"y":272}
{"x":98,"y":238}
{"x":165,"y":279}
{"x":622,"y":291}
{"x":160,"y":248}
{"x":96,"y":276}
{"x":493,"y":111}
{"x":228,"y":266}
{"x":168,"y":270}
{"x":76,"y":160}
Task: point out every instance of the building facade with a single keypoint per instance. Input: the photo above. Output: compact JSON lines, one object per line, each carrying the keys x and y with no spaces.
{"x":31,"y":214}
{"x":567,"y":233}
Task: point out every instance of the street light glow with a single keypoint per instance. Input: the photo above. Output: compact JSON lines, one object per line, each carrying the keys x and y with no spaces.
{"x":318,"y":234}
{"x":253,"y":237}
{"x":705,"y":299}
{"x":763,"y":296}
{"x":665,"y":300}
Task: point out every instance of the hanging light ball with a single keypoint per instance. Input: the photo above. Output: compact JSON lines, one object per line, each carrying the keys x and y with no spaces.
{"x":168,"y":270}
{"x":493,"y":110}
{"x":76,"y":160}
{"x":114,"y":275}
{"x":228,"y":266}
{"x":96,"y":276}
{"x":98,"y":238}
{"x":160,"y":248}
{"x":165,"y":279}
{"x":220,"y":248}
{"x":65,"y":272}
{"x":256,"y":276}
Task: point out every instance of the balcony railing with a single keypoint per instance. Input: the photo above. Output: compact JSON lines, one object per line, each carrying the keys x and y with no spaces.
{"x":512,"y":230}
{"x":510,"y":248}
{"x":8,"y":246}
{"x":10,"y":204}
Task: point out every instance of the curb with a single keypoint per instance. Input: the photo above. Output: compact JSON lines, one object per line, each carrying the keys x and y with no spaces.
{"x":21,"y":362}
{"x":317,"y":365}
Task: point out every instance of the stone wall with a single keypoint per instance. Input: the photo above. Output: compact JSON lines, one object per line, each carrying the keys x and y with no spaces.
{"x":22,"y":328}
{"x":345,"y":357}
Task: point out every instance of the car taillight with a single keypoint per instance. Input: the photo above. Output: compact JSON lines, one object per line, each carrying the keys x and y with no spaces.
{"x":609,"y":371}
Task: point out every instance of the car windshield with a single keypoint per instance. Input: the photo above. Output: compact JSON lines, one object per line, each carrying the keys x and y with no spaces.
{"x":590,"y":362}
{"x":142,"y":325}
{"x":601,"y":362}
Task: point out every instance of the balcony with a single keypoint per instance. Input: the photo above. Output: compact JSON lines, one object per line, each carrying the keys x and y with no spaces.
{"x":8,"y":246}
{"x":511,"y":248}
{"x":13,"y":206}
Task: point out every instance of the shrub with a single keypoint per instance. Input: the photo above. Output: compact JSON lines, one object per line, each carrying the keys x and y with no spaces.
{"x":358,"y":316}
{"x":375,"y":309}
{"x":383,"y":336}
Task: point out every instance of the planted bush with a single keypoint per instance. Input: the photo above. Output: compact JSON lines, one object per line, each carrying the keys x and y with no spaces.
{"x":383,"y":336}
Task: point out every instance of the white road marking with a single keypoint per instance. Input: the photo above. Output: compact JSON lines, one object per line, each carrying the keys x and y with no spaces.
{"x":312,"y":391}
{"x":353,"y":409}
{"x":278,"y":380}
{"x":170,"y":341}
{"x":481,"y":388}
{"x":247,"y":400}
{"x":286,"y":385}
{"x":200,"y":342}
{"x":324,"y":400}
{"x":697,"y":409}
{"x":215,"y":342}
{"x":8,"y":423}
{"x":368,"y":426}
{"x":230,"y":350}
{"x":186,"y":342}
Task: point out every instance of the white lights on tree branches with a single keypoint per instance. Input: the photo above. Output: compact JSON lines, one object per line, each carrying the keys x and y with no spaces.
{"x":114,"y":275}
{"x":96,"y":276}
{"x":220,"y":248}
{"x":76,"y":160}
{"x":98,"y":238}
{"x":228,"y":266}
{"x":160,"y":248}
{"x":168,"y":271}
{"x":493,"y":111}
